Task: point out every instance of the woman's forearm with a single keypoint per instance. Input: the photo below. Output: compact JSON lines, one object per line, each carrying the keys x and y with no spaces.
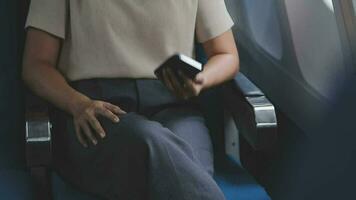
{"x":47,"y":82}
{"x":40,"y":74}
{"x":220,"y":68}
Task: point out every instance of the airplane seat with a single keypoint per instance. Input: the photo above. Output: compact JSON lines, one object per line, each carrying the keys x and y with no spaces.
{"x":297,"y":44}
{"x":235,"y":110}
{"x":14,"y":180}
{"x":15,"y":184}
{"x":257,"y":20}
{"x":223,"y":122}
{"x":63,"y":191}
{"x":236,"y":183}
{"x":294,"y":50}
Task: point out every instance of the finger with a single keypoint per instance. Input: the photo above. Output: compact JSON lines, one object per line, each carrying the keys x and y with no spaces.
{"x":97,"y":126}
{"x":108,"y":114}
{"x":166,"y":80}
{"x":79,"y":135}
{"x":199,"y":78}
{"x":192,"y":88}
{"x":189,"y":85}
{"x":175,"y":83}
{"x":113,"y":108}
{"x":86,"y":129}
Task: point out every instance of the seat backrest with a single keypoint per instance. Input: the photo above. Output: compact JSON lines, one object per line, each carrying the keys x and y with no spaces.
{"x":11,"y":107}
{"x":294,"y":43}
{"x":258,"y":19}
{"x":292,"y":49}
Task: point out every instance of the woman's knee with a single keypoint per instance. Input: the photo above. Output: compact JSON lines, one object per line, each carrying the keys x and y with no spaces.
{"x":136,"y":128}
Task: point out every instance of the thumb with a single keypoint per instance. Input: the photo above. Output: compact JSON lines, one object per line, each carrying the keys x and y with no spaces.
{"x":199,"y":78}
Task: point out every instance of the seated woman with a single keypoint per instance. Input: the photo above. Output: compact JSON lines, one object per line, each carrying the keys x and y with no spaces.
{"x":119,"y":133}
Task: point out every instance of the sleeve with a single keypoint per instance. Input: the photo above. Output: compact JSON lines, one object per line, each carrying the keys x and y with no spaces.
{"x":212,"y":19}
{"x":49,"y":16}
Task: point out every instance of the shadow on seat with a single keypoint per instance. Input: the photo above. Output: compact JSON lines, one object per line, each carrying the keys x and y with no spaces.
{"x":236,"y":183}
{"x":15,"y":184}
{"x":233,"y":180}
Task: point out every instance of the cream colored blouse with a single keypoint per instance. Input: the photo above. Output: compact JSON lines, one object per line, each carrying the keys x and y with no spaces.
{"x":126,"y":38}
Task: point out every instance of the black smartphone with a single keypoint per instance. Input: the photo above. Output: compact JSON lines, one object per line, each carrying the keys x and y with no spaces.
{"x":185,"y":64}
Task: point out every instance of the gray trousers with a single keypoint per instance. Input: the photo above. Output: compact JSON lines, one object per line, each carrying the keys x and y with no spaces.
{"x":160,"y":150}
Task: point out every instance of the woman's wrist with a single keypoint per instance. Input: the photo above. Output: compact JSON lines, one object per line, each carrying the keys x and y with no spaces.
{"x":204,"y":81}
{"x":76,"y":103}
{"x":219,"y":69}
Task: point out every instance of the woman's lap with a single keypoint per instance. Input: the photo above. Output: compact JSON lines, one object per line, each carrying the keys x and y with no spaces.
{"x":187,"y":124}
{"x":96,"y":167}
{"x":182,"y":126}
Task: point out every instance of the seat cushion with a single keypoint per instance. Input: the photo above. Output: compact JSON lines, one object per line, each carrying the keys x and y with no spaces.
{"x":236,"y":183}
{"x":64,"y":191}
{"x":15,"y":185}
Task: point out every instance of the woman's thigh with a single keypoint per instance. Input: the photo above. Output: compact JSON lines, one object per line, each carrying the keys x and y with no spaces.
{"x":121,"y":155}
{"x":188,"y":124}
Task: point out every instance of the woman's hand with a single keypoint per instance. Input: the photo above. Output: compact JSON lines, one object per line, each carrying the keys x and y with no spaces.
{"x":188,"y":88}
{"x":222,"y":65}
{"x":87,"y":126}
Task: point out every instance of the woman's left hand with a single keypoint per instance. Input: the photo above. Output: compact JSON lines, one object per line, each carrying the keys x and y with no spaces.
{"x":189,"y":88}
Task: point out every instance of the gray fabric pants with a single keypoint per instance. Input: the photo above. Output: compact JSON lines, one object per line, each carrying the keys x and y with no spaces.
{"x":161,"y":149}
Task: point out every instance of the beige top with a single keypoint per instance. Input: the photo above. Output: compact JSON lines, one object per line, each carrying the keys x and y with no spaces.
{"x":126,"y":38}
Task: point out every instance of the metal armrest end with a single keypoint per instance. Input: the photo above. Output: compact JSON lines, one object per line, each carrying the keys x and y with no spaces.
{"x":38,"y":142}
{"x":253,"y":113}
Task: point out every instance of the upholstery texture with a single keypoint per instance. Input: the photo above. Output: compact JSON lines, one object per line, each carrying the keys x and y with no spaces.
{"x":15,"y":185}
{"x":234,"y":181}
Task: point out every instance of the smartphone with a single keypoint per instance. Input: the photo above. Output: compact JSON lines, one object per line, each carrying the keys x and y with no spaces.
{"x":187,"y":65}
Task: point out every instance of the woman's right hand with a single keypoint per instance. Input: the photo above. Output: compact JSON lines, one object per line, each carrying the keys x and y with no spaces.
{"x":86,"y":123}
{"x":40,"y":57}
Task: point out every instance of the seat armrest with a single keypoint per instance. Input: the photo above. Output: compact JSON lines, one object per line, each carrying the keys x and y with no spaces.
{"x":248,"y":89}
{"x":38,"y":145}
{"x":38,"y":132}
{"x":253,"y":114}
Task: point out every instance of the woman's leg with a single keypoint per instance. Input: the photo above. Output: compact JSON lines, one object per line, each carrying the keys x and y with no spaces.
{"x":114,"y":169}
{"x":188,"y":124}
{"x":139,"y":158}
